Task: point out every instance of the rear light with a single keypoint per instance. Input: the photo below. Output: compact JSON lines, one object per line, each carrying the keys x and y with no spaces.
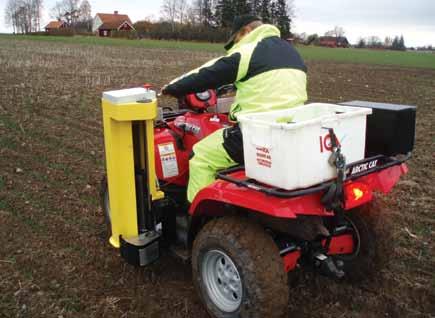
{"x":356,"y":194}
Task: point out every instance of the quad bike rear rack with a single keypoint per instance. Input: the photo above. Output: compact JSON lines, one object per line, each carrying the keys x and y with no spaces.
{"x":382,"y":162}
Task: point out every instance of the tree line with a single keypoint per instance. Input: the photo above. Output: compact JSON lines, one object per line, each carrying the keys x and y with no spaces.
{"x":206,"y":17}
{"x":24,"y":16}
{"x":374,"y":42}
{"x":76,"y":14}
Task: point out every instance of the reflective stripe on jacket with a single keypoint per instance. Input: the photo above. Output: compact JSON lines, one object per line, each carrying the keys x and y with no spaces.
{"x":268,"y":72}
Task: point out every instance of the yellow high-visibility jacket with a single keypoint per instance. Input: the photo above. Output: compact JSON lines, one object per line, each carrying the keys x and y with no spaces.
{"x":268,"y":72}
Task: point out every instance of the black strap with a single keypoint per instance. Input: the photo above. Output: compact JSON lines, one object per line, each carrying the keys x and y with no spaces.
{"x":178,"y":139}
{"x":334,"y":199}
{"x":233,"y":143}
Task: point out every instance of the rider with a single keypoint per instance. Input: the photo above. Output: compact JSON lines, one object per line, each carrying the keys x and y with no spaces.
{"x":268,"y":73}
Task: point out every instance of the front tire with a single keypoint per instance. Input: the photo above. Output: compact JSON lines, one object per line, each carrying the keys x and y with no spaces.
{"x":237,"y":270}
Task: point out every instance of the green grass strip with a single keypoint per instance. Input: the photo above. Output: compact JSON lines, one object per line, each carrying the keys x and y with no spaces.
{"x":313,"y":53}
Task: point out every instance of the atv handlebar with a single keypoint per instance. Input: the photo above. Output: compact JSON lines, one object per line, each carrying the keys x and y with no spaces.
{"x":223,"y":90}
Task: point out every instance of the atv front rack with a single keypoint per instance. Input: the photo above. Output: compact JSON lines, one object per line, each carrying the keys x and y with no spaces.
{"x":353,"y":171}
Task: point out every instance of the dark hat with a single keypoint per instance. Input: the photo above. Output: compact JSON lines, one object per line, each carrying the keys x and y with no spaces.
{"x":238,"y":23}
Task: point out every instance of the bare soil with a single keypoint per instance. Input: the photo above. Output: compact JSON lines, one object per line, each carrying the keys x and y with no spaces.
{"x":54,"y":261}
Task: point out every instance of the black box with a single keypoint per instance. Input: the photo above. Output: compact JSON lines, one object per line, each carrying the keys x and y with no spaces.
{"x":390,"y":128}
{"x":141,"y":250}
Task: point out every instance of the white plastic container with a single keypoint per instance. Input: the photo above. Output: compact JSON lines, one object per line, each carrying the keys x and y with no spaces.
{"x":129,"y":95}
{"x":295,"y":155}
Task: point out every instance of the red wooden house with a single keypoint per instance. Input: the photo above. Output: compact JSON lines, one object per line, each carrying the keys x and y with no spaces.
{"x":55,"y":25}
{"x":105,"y":23}
{"x":332,"y":41}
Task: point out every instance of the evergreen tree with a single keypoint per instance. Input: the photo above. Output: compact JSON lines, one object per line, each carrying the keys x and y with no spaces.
{"x":361,"y":43}
{"x":273,"y":12}
{"x":282,"y":18}
{"x":207,"y":13}
{"x":395,"y":45}
{"x":265,"y":12}
{"x":398,"y":43}
{"x":255,"y":7}
{"x":225,"y":13}
{"x":402,"y":46}
{"x":241,"y":7}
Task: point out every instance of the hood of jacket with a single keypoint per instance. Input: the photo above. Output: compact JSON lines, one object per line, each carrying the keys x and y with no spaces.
{"x":255,"y":36}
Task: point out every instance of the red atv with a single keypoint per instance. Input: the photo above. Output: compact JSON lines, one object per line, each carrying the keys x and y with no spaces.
{"x":242,"y":236}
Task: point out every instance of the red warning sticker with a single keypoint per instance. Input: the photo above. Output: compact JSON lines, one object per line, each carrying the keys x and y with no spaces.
{"x":263,"y":157}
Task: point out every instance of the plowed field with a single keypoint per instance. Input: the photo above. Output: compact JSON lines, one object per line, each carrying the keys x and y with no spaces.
{"x":54,"y":261}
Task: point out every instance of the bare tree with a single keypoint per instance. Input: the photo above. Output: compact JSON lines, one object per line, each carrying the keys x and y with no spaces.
{"x":71,"y":11}
{"x":85,"y":11}
{"x":337,"y":32}
{"x":169,"y":11}
{"x":374,"y":42}
{"x":75,"y":14}
{"x":66,"y":10}
{"x":175,"y":11}
{"x":23,"y":15}
{"x":37,"y":6}
{"x":181,"y":8}
{"x":57,"y":11}
{"x":191,"y":15}
{"x":10,"y":17}
{"x":388,"y":42}
{"x":84,"y":22}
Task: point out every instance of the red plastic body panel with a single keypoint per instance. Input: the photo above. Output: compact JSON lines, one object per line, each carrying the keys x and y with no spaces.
{"x":341,"y":244}
{"x":195,"y":103}
{"x":226,"y":192}
{"x":204,"y":123}
{"x":291,"y":260}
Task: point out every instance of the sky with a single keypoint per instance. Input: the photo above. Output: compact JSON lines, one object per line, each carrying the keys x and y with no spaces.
{"x":414,"y":19}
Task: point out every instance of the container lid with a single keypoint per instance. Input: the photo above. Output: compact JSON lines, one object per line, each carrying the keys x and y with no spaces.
{"x":381,"y":106}
{"x":130,"y":95}
{"x":318,"y":114}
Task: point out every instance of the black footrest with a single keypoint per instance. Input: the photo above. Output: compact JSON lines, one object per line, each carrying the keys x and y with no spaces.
{"x":141,"y":250}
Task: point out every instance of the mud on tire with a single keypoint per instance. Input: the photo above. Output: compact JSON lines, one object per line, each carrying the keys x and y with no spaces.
{"x":256,"y":257}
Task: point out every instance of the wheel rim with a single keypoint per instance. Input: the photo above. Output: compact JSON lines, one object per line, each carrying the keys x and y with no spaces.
{"x":222,"y":280}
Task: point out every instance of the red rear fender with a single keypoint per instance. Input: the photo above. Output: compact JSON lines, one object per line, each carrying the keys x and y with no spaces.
{"x":209,"y":201}
{"x":229,"y":193}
